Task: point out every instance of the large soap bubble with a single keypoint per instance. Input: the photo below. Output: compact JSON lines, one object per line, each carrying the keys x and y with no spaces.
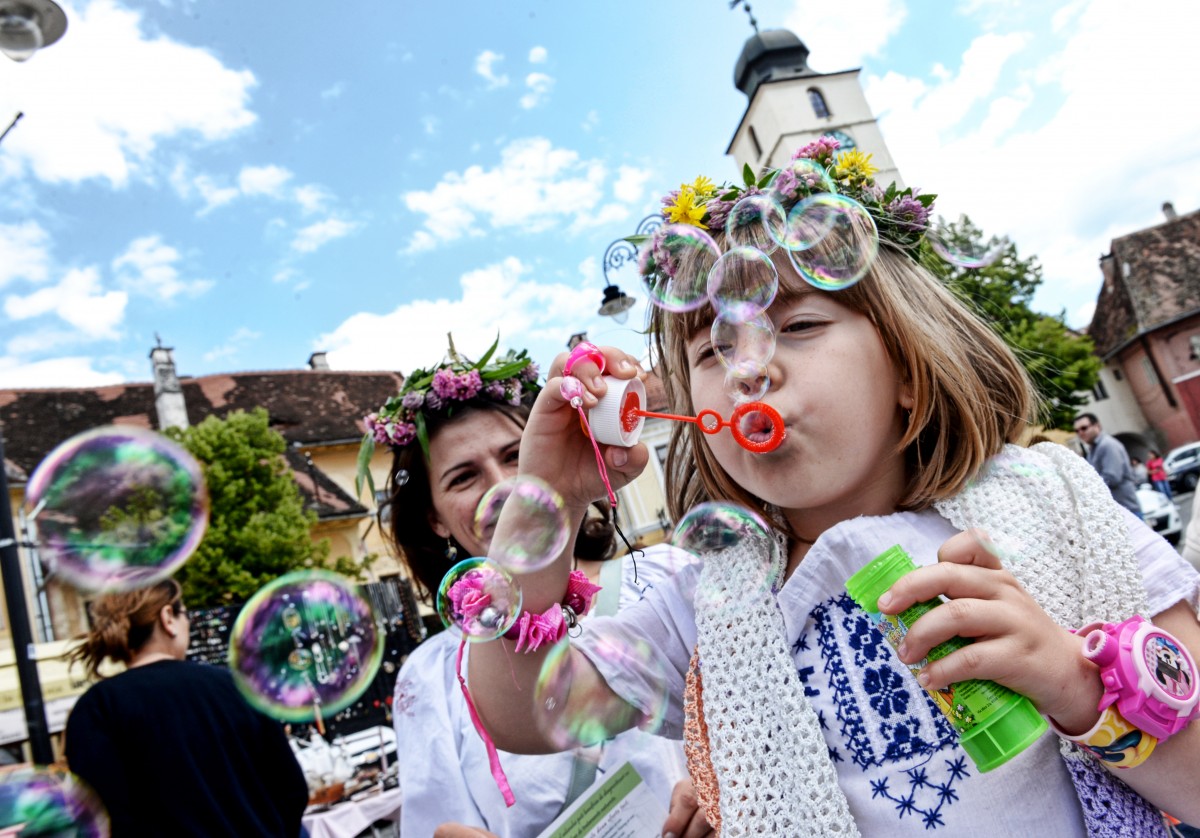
{"x":682,"y":256}
{"x":40,"y":803}
{"x":305,"y":646}
{"x":479,"y":599}
{"x":115,"y":508}
{"x":544,"y":533}
{"x":709,"y":530}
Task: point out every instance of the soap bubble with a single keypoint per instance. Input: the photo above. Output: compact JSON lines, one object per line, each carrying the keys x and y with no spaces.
{"x":755,"y":221}
{"x":840,"y":237}
{"x":575,"y":710}
{"x":43,"y":802}
{"x":747,"y":384}
{"x":744,"y":278}
{"x":306,"y":640}
{"x":115,"y":508}
{"x":480,"y":599}
{"x":742,"y":340}
{"x":672,"y":287}
{"x":963,"y":253}
{"x":544,"y":531}
{"x":708,"y":530}
{"x":799,"y":179}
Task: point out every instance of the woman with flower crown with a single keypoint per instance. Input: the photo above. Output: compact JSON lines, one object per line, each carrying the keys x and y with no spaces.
{"x":899,"y":412}
{"x":456,"y":432}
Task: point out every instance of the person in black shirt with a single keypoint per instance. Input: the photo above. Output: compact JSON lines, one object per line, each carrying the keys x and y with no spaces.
{"x":170,"y":746}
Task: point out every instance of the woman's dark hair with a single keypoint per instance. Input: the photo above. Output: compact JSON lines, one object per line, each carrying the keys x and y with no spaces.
{"x":596,"y":540}
{"x":122,"y":623}
{"x":410,"y":497}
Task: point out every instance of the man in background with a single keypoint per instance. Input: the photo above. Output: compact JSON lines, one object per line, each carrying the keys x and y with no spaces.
{"x":1109,"y":458}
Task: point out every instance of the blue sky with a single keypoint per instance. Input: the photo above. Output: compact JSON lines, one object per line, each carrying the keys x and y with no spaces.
{"x":256,"y":181}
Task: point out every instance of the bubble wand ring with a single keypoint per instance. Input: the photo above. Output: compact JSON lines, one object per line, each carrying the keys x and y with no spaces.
{"x":710,"y":422}
{"x":585,"y":351}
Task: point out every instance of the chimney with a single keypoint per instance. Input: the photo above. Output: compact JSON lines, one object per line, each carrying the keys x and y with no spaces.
{"x":1169,"y":211}
{"x":168,"y":393}
{"x":318,"y":361}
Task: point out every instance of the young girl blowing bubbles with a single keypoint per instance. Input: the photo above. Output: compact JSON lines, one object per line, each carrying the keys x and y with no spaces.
{"x":901,"y":413}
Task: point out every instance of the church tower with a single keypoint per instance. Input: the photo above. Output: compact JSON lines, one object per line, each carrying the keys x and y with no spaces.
{"x":791,"y":105}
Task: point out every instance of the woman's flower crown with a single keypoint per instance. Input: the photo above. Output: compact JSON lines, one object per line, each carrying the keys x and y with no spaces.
{"x":437,"y":391}
{"x":901,"y":215}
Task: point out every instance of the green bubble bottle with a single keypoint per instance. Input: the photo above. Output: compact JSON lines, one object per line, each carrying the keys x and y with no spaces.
{"x":994,"y":723}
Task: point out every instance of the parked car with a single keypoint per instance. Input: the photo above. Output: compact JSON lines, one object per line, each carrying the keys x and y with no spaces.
{"x":1160,"y":513}
{"x":1183,"y":467}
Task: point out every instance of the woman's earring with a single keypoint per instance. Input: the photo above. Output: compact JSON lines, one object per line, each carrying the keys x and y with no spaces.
{"x":451,"y":550}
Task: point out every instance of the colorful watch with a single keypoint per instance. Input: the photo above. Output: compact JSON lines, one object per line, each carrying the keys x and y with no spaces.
{"x":1147,"y":673}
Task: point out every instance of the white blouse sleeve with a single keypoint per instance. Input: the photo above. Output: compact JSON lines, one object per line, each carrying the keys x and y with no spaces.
{"x":1168,"y":577}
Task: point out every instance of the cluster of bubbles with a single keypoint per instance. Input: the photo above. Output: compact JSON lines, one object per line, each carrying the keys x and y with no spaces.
{"x":307,"y":640}
{"x":830,"y":239}
{"x":115,"y":509}
{"x":43,"y":802}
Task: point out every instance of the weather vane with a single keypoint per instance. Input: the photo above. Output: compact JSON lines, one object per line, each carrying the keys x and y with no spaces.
{"x":733,"y":4}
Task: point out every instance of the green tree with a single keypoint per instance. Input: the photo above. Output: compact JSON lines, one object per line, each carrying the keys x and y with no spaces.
{"x":1061,"y":362}
{"x":258,"y":527}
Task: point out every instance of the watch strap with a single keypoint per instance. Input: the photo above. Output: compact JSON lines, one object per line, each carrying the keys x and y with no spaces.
{"x":1113,"y":740}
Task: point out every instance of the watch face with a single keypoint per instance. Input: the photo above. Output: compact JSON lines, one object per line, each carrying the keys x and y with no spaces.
{"x":1171,"y":667}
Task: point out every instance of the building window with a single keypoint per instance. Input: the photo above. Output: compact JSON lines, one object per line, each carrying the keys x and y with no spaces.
{"x":757,"y":144}
{"x":660,"y":451}
{"x":382,"y":507}
{"x":818,"y":103}
{"x":1116,"y":371}
{"x":1099,"y":392}
{"x":1194,"y":341}
{"x":1148,"y":366}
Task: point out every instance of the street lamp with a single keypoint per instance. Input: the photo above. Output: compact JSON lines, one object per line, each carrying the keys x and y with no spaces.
{"x":616,"y":303}
{"x":29,"y":25}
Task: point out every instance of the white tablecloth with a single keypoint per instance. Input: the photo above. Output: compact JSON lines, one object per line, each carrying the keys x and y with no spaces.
{"x":345,"y":820}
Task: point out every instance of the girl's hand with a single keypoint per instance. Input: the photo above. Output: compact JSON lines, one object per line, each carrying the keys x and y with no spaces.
{"x":554,"y":447}
{"x":1017,"y":644}
{"x":458,"y":830}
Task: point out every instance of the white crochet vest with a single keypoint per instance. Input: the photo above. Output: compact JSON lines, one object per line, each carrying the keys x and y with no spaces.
{"x":765,"y":743}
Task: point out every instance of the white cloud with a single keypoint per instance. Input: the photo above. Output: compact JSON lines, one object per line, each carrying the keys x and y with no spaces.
{"x":311,"y":198}
{"x":23,"y":252}
{"x":430,"y":124}
{"x":40,"y":341}
{"x":631,"y":184}
{"x":79,"y":300}
{"x":147,"y":267}
{"x":1021,"y":136}
{"x":334,"y":91}
{"x":535,"y":187}
{"x":231,"y":347}
{"x":263,"y":180}
{"x":315,"y":235}
{"x":537,"y":55}
{"x":109,"y":94}
{"x":840,"y":41}
{"x":539,"y":86}
{"x":590,"y":121}
{"x":485,"y":66}
{"x":16,"y":373}
{"x":494,"y":299}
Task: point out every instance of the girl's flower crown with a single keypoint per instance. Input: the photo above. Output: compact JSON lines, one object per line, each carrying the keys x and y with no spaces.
{"x":437,"y":391}
{"x":902,"y":216}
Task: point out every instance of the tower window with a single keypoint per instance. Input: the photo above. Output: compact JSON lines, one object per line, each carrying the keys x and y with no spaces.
{"x":818,"y":103}
{"x":757,"y":144}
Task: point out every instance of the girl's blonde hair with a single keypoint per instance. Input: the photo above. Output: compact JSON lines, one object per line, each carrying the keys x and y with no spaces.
{"x":971,"y":393}
{"x":122,"y":624}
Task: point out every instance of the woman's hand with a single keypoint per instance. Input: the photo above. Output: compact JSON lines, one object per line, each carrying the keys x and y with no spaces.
{"x":1016,"y":643}
{"x":554,"y":447}
{"x":686,"y":818}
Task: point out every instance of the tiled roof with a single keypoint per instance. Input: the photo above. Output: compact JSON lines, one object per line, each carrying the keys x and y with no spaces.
{"x":305,"y":406}
{"x":321,"y":494}
{"x":1161,"y":283}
